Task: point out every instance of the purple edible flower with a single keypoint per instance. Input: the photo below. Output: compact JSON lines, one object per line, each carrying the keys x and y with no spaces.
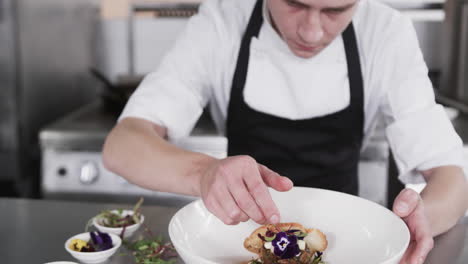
{"x":101,"y":241}
{"x":285,"y":246}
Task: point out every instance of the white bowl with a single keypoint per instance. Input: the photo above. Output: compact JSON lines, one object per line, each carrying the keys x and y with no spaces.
{"x":357,"y":230}
{"x":129,"y":230}
{"x":61,"y":262}
{"x":93,"y":257}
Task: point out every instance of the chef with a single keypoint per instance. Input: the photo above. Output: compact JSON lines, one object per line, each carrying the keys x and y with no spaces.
{"x":297,"y":86}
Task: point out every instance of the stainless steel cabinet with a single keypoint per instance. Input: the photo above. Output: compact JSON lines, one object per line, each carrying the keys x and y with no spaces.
{"x":45,"y":55}
{"x":8,"y":113}
{"x":454,"y":88}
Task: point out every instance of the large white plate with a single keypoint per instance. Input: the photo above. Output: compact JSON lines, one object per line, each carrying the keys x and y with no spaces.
{"x":358,"y":230}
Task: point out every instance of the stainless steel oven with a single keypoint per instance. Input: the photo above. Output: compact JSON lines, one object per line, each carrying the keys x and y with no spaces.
{"x":72,"y":163}
{"x":43,"y":75}
{"x":126,"y":49}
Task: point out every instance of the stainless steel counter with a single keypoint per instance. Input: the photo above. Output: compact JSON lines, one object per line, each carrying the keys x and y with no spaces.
{"x":34,"y":231}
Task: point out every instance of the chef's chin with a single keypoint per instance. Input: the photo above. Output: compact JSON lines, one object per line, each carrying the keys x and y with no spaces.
{"x":305,"y":54}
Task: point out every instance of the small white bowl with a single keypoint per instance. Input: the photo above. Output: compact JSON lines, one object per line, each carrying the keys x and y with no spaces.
{"x":129,"y":230}
{"x":93,"y":257}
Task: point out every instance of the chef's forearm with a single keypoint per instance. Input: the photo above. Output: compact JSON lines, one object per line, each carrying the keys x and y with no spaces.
{"x":445,"y":197}
{"x":135,"y":151}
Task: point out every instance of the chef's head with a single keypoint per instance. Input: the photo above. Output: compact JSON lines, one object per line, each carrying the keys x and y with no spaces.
{"x":308,"y":26}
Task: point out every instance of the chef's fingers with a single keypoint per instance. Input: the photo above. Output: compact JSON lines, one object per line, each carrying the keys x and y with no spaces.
{"x":422,"y":235}
{"x":274,"y":180}
{"x":244,"y":200}
{"x":214,"y":206}
{"x":406,"y":256}
{"x":422,"y":248}
{"x":406,"y":202}
{"x":230,"y":207}
{"x":259,"y":191}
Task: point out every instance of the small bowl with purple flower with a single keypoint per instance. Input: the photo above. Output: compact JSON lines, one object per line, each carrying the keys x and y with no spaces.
{"x":123,"y":223}
{"x":93,"y":247}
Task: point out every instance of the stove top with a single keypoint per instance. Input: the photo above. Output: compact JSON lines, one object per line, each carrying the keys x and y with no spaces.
{"x":86,"y":128}
{"x":72,"y":165}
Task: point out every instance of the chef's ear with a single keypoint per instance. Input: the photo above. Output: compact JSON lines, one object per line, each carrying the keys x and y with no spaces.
{"x":274,"y":180}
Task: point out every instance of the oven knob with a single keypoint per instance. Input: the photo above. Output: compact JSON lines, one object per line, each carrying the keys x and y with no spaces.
{"x":89,"y":173}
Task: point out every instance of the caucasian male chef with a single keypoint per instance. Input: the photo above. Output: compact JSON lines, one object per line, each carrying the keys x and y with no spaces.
{"x":297,"y":86}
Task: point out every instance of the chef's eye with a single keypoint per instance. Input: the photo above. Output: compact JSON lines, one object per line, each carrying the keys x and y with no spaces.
{"x":335,"y":11}
{"x":296,"y":4}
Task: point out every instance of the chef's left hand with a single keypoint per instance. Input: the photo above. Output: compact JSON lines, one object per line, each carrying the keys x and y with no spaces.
{"x":410,"y":207}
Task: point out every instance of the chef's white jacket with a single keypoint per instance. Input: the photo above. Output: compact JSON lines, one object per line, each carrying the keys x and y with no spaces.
{"x":397,"y":90}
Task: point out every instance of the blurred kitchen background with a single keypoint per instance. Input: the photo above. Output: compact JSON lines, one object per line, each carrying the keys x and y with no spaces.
{"x":67,"y":68}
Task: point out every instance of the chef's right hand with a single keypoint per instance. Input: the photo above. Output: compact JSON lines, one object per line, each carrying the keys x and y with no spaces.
{"x":235,"y":189}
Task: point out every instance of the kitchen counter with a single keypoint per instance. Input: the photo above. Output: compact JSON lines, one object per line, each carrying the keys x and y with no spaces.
{"x":34,"y":231}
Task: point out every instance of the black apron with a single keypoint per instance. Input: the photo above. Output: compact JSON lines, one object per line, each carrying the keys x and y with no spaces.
{"x":321,"y":152}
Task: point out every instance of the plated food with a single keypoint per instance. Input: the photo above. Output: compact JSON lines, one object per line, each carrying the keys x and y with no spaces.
{"x":357,"y":230}
{"x":286,"y":243}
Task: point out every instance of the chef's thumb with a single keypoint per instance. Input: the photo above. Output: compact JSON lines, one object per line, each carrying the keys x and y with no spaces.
{"x":274,"y":180}
{"x":406,"y":202}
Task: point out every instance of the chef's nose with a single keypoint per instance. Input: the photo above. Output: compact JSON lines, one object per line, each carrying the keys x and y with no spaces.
{"x":310,"y":30}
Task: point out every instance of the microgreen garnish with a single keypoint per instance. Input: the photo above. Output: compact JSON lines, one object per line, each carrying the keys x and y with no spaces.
{"x":151,"y":249}
{"x":148,"y":248}
{"x":318,"y":258}
{"x":108,"y":218}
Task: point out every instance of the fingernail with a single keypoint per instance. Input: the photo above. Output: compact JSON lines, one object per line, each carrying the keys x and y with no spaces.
{"x":402,"y":207}
{"x":274,"y":219}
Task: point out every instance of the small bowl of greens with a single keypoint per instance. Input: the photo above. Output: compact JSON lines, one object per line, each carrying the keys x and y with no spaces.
{"x":123,"y":223}
{"x":93,"y":247}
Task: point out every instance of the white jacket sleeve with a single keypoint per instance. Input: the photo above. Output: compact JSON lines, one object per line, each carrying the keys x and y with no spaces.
{"x":419,"y":131}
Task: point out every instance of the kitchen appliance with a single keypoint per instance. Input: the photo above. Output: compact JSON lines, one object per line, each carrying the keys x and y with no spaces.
{"x":72,"y":164}
{"x":9,"y":145}
{"x":133,"y":46}
{"x":454,"y":87}
{"x":43,"y":75}
{"x":71,"y":147}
